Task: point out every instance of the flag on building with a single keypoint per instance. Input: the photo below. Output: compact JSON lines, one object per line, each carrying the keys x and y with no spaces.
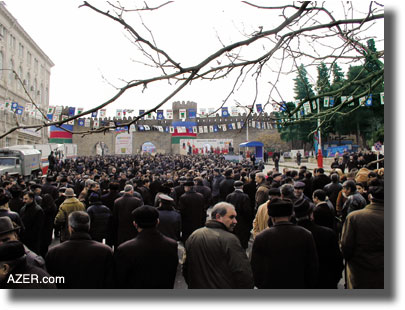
{"x":80,"y":110}
{"x":382,"y":98}
{"x":205,"y":129}
{"x":203,"y":112}
{"x":200,"y":129}
{"x":94,"y":114}
{"x":19,"y":110}
{"x":58,"y":110}
{"x":169,"y":114}
{"x":59,"y":135}
{"x":159,"y":115}
{"x":14,"y":105}
{"x":225,"y":112}
{"x":118,"y":113}
{"x":103,"y":112}
{"x":211,"y":128}
{"x":182,"y":113}
{"x":259,"y":107}
{"x":55,"y":118}
{"x":141,"y":112}
{"x":72,"y":111}
{"x":96,"y":124}
{"x":87,"y":122}
{"x":192,"y":113}
{"x":80,"y":122}
{"x":149,"y":116}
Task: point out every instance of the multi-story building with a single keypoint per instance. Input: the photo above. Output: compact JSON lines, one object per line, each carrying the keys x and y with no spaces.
{"x":32,"y":70}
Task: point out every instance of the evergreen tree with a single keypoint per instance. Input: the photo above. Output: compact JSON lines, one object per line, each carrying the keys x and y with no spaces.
{"x":302,"y":89}
{"x":323,"y":84}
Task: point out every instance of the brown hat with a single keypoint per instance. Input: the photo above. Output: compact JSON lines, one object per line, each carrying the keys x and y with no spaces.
{"x":6,"y":225}
{"x":69,"y":192}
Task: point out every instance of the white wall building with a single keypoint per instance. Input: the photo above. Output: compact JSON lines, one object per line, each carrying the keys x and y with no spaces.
{"x":19,"y":52}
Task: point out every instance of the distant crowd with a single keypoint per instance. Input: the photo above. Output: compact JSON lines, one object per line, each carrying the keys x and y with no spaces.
{"x":118,"y":221}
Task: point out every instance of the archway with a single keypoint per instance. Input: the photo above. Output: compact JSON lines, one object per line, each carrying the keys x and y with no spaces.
{"x":148,"y":147}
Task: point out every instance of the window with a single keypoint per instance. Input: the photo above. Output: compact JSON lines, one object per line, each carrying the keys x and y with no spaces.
{"x":21,"y":51}
{"x":8,"y":142}
{"x":41,"y":98}
{"x":28,"y":81}
{"x":29,"y":59}
{"x":36,"y":65}
{"x":11,"y":76}
{"x":20,"y":74}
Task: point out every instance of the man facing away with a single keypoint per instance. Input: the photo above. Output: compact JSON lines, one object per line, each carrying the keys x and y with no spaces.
{"x":84,"y":263}
{"x":284,"y":256}
{"x":149,"y":260}
{"x":214,"y":257}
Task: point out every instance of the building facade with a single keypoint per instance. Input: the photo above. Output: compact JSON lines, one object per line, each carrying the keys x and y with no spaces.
{"x":155,"y":134}
{"x":32,"y":70}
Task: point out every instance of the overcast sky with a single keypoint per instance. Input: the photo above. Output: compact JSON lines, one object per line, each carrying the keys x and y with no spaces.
{"x":92,"y":54}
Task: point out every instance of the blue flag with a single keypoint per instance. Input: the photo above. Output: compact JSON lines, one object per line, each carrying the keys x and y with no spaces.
{"x":80,"y":122}
{"x":215,"y":128}
{"x":94,"y":114}
{"x":259,"y":107}
{"x":192,"y":113}
{"x":72,"y":111}
{"x":225,"y":112}
{"x":14,"y":105}
{"x":369,"y":101}
{"x":159,"y":114}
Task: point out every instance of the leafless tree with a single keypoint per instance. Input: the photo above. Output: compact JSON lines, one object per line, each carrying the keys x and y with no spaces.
{"x":308,"y":30}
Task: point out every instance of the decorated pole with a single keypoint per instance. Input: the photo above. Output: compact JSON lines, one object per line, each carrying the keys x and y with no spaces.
{"x":320,"y":156}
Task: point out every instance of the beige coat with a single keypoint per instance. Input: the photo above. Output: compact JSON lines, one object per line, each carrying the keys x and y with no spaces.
{"x":68,"y":206}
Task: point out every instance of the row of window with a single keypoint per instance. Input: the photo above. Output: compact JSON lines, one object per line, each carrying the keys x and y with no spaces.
{"x":31,"y":86}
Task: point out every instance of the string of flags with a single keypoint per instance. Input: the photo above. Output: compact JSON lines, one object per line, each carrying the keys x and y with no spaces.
{"x":57,"y":113}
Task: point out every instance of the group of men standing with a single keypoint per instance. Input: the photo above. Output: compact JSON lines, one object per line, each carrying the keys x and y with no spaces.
{"x":120,"y":226}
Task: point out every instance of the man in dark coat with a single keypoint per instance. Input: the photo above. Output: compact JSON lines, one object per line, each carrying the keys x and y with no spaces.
{"x":218,"y":177}
{"x":109,"y":198}
{"x":250,"y":189}
{"x":150,"y":260}
{"x":333,"y":188}
{"x":276,"y":159}
{"x":84,"y":263}
{"x":226,"y":185}
{"x":100,"y":220}
{"x":362,"y":243}
{"x":284,"y":256}
{"x":320,"y":179}
{"x":323,"y":212}
{"x":123,"y":229}
{"x":192,"y":210}
{"x":49,"y":188}
{"x":33,"y":218}
{"x":214,"y":258}
{"x":14,"y":263}
{"x":244,"y":216}
{"x":199,"y":187}
{"x":355,"y":201}
{"x":326,"y":241}
{"x":169,"y":218}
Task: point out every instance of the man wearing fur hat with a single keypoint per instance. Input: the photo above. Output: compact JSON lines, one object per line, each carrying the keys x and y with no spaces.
{"x":284,"y":256}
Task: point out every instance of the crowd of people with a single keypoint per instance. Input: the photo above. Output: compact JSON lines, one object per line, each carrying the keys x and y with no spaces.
{"x":119,"y":221}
